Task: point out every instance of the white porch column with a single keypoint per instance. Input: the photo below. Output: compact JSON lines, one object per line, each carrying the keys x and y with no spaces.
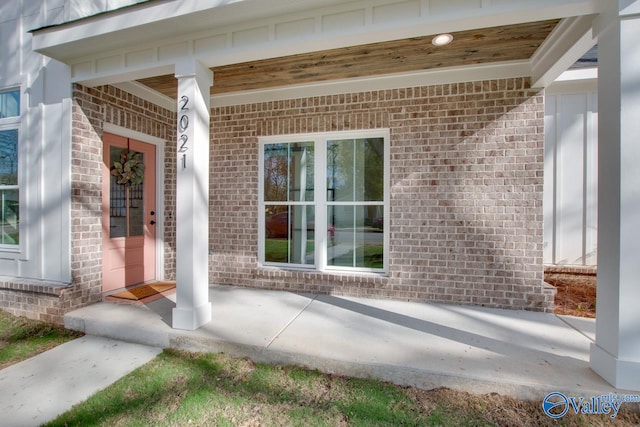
{"x":193,"y":308}
{"x":616,"y":353}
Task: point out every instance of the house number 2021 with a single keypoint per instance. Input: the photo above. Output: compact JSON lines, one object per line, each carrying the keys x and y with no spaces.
{"x":183,"y":125}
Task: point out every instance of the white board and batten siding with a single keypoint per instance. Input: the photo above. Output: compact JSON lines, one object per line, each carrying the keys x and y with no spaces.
{"x":570,"y":174}
{"x":44,"y":130}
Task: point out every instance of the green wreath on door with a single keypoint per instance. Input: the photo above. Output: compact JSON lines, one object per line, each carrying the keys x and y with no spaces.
{"x":129,"y":170}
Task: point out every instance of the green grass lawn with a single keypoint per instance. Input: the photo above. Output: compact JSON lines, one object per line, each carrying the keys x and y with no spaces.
{"x":187,"y":389}
{"x":178,"y":389}
{"x":21,"y":338}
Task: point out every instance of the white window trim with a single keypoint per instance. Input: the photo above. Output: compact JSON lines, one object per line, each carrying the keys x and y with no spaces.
{"x":320,"y":199}
{"x":9,"y":123}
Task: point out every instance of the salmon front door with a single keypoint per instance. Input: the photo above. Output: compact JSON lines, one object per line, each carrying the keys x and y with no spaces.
{"x":128,"y":212}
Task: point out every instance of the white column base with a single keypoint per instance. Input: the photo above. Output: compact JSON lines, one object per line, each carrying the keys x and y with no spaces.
{"x":191,"y":318}
{"x":622,"y":374}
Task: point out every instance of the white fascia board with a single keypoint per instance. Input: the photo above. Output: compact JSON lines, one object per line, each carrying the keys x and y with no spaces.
{"x":386,"y":82}
{"x":571,"y":39}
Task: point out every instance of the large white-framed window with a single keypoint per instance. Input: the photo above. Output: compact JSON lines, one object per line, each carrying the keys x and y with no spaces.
{"x":324,"y":201}
{"x":9,"y":175}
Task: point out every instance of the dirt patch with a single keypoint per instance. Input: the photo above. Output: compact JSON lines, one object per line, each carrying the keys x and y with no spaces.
{"x":576,"y":293}
{"x":505,"y":411}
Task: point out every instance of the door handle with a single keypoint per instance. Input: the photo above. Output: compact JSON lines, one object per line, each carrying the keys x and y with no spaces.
{"x":152,"y":222}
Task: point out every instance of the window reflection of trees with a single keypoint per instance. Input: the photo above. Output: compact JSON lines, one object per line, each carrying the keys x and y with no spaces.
{"x":9,"y":157}
{"x":276,"y":165}
{"x":289,"y":195}
{"x":289,"y":172}
{"x":355,"y":170}
{"x":355,"y":202}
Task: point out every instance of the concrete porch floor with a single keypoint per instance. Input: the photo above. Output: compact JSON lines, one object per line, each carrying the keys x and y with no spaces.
{"x":480,"y":350}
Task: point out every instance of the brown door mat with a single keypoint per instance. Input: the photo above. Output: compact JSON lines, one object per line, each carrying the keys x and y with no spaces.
{"x":144,"y":291}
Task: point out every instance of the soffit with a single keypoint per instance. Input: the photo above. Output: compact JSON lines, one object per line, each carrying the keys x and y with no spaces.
{"x":481,"y":46}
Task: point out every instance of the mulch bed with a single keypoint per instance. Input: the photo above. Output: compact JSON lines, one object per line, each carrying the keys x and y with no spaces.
{"x":576,"y":293}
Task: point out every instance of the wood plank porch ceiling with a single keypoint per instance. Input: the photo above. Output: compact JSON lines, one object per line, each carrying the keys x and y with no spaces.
{"x":481,"y":46}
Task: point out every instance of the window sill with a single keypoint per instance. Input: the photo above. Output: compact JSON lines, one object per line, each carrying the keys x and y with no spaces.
{"x":13,"y":250}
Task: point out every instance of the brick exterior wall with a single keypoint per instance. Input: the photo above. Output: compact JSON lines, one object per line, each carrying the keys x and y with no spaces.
{"x":466,"y":192}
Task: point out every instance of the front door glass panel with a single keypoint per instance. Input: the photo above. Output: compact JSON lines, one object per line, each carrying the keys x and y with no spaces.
{"x":126,"y":208}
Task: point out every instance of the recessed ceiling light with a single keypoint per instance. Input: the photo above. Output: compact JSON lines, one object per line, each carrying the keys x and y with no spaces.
{"x":442,"y":39}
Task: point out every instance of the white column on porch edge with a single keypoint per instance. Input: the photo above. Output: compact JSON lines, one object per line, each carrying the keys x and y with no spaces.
{"x":193,"y":308}
{"x":616,"y":353}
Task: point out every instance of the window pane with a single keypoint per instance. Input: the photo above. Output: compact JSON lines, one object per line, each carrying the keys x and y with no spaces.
{"x":369,"y":170}
{"x":301,"y":175}
{"x":289,"y":172}
{"x":117,"y":210}
{"x":9,"y":217}
{"x":9,"y":104}
{"x":276,"y":165}
{"x":9,"y":157}
{"x":289,"y":234}
{"x":340,"y":236}
{"x":355,"y":236}
{"x":355,"y":170}
{"x":136,"y":210}
{"x":123,"y":206}
{"x":301,"y":244}
{"x":340,"y":171}
{"x":369,"y":237}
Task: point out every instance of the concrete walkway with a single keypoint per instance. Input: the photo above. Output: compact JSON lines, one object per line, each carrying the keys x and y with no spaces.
{"x":523,"y":354}
{"x":39,"y":389}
